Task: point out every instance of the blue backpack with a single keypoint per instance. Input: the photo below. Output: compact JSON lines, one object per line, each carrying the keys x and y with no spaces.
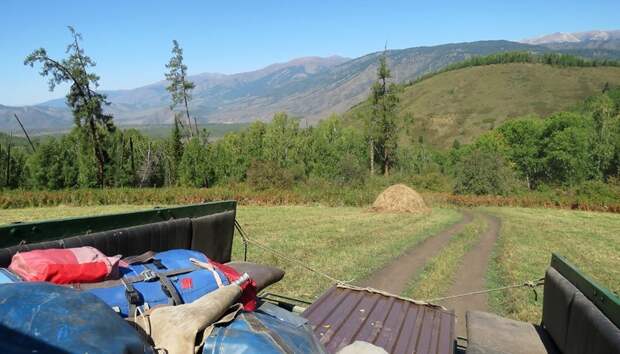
{"x":172,"y":277}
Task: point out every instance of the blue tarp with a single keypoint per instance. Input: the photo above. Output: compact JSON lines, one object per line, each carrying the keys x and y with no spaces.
{"x":269,"y":330}
{"x":45,"y":318}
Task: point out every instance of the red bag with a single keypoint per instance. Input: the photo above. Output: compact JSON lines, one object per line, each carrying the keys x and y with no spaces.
{"x":65,"y":266}
{"x":248,"y":289}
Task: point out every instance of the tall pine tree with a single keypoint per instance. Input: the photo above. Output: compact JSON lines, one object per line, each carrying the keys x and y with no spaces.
{"x":86,"y":104}
{"x":180,"y":88}
{"x":382,"y":128}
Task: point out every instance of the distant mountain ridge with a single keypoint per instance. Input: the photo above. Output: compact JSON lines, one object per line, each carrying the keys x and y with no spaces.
{"x":575,"y":37}
{"x":310,"y":87}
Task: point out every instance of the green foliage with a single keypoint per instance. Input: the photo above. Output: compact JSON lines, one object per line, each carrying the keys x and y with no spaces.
{"x":335,"y":152}
{"x":381,"y":123}
{"x":483,"y":171}
{"x":524,"y":136}
{"x":195,"y":167}
{"x":53,"y":166}
{"x":174,"y":154}
{"x":92,"y":123}
{"x":12,"y":171}
{"x":281,"y":143}
{"x":567,"y":151}
{"x":263,"y":175}
{"x":556,"y":59}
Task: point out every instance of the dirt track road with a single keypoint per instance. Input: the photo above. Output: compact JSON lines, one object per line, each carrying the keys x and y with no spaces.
{"x":394,"y":276}
{"x":472,"y":275}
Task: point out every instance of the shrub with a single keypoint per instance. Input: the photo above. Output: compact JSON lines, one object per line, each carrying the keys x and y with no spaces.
{"x":268,"y":174}
{"x":483,"y":172}
{"x":350,"y":171}
{"x":194,"y":166}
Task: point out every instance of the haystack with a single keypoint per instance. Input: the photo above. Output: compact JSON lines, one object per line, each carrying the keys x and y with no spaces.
{"x":400,"y":198}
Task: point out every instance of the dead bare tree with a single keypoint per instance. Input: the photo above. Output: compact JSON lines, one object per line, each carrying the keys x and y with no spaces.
{"x":25,"y":133}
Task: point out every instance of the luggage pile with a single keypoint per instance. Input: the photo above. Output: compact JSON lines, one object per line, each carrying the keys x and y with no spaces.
{"x":176,"y":300}
{"x":132,"y":284}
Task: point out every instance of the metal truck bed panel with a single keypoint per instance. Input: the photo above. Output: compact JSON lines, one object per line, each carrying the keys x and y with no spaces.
{"x":344,"y":315}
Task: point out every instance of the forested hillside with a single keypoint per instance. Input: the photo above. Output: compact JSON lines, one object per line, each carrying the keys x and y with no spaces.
{"x":311,"y":87}
{"x":473,"y":97}
{"x":479,"y":109}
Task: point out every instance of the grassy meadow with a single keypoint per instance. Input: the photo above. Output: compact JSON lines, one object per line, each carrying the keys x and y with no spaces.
{"x":589,"y":240}
{"x":476,"y":99}
{"x":350,"y":243}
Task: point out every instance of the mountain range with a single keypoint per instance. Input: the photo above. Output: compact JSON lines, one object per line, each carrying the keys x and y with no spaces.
{"x":310,"y":87}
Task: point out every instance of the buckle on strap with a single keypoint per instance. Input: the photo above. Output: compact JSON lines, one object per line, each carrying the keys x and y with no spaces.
{"x":131,"y":294}
{"x":149,"y":275}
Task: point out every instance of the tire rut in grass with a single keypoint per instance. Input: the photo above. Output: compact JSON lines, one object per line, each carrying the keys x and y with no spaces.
{"x":471,"y":275}
{"x":395,"y":276}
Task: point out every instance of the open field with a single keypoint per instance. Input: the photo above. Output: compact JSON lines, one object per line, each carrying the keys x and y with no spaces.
{"x":589,"y":240}
{"x":64,"y":211}
{"x":348,"y":243}
{"x":351,"y":243}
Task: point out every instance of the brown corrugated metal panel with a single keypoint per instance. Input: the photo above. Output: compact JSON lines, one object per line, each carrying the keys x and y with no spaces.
{"x":342,"y":316}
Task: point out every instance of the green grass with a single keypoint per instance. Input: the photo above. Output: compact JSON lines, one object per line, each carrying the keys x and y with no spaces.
{"x":589,"y":240}
{"x":464,"y":103}
{"x":438,"y":274}
{"x":351,"y":243}
{"x":63,"y":211}
{"x":348,"y":243}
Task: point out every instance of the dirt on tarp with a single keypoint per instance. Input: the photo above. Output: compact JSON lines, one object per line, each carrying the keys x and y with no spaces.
{"x":400,"y":198}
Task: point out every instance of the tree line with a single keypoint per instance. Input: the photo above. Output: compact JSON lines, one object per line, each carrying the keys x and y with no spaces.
{"x":565,"y":149}
{"x":555,"y":59}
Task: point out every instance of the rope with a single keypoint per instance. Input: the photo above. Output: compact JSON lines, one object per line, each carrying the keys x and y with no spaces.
{"x":528,"y":284}
{"x":244,"y":238}
{"x":247,"y":240}
{"x":532,"y":284}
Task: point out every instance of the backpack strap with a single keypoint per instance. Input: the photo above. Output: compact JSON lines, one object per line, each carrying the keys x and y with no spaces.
{"x":147,"y":275}
{"x":141,"y":258}
{"x":210,"y":267}
{"x":171,"y":292}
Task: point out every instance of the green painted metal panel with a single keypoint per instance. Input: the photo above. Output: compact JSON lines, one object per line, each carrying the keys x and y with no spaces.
{"x":603,"y":298}
{"x":31,"y":232}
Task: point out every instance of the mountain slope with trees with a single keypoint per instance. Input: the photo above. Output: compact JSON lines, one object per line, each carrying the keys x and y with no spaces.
{"x":311,"y":88}
{"x":462,"y":104}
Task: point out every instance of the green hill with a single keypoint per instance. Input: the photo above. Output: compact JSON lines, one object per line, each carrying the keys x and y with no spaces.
{"x":461,"y":104}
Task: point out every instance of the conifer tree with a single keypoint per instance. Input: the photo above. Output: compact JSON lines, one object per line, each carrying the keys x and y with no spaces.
{"x":180,"y":88}
{"x":175,"y":153}
{"x":86,"y":104}
{"x":383,"y":125}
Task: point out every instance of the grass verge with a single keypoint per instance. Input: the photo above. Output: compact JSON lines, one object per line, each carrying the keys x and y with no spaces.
{"x":8,"y":216}
{"x":590,"y":197}
{"x":527,"y":238}
{"x":438,"y":274}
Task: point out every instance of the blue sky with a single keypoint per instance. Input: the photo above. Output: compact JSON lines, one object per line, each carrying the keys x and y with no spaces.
{"x":131,"y":40}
